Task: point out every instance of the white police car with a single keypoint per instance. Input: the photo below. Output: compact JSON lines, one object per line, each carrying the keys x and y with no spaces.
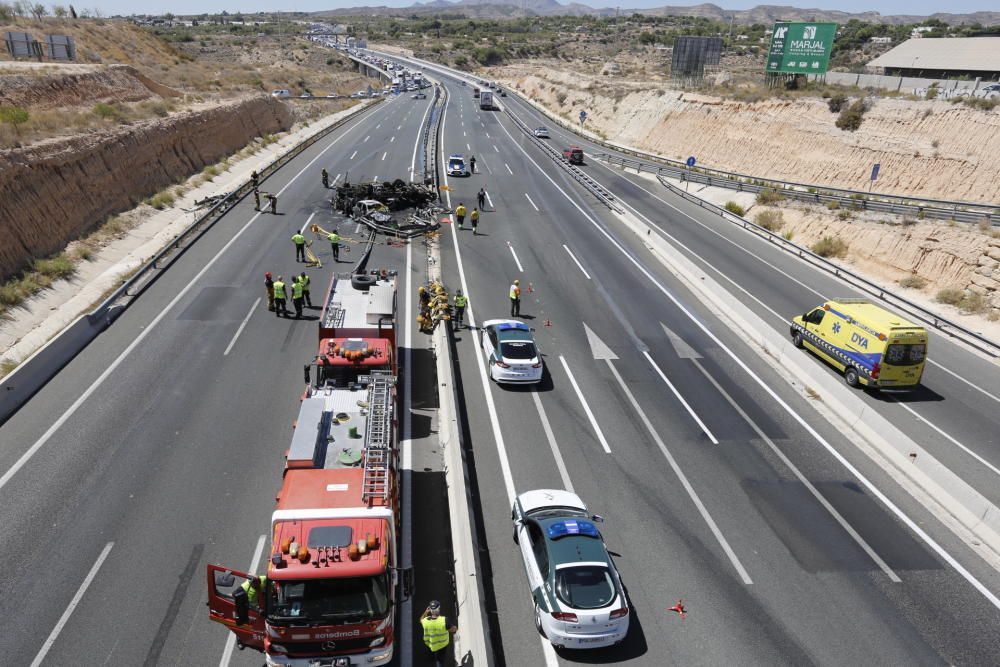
{"x":456,"y":165}
{"x":579,"y":599}
{"x":511,"y":352}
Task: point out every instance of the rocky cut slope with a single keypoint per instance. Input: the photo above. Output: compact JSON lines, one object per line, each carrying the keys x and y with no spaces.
{"x":38,"y":86}
{"x":55,"y":191}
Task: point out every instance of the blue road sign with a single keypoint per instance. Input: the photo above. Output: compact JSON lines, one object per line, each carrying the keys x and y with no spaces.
{"x":690,"y":161}
{"x":875,"y":170}
{"x":583,"y":116}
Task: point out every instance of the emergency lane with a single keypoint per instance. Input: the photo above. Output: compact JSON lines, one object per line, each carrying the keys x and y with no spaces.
{"x":767,"y":492}
{"x":176,"y":457}
{"x":954,"y":413}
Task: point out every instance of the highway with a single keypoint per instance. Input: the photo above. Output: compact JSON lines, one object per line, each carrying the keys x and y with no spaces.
{"x":719,"y":484}
{"x":160,"y":448}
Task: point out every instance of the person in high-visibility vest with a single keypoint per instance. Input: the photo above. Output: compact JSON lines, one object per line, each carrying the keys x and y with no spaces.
{"x":304,"y":279}
{"x":334,"y":239}
{"x":297,"y":297}
{"x":515,"y":299}
{"x":461,"y":301}
{"x":279,"y":298}
{"x":460,"y":215}
{"x":474,"y":217}
{"x":300,"y":246}
{"x":269,"y":287}
{"x":437,"y":634}
{"x":254,"y":586}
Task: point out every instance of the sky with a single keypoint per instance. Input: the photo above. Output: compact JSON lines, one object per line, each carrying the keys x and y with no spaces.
{"x":921,"y":7}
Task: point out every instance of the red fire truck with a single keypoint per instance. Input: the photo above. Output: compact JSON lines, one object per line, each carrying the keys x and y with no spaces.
{"x":334,"y":575}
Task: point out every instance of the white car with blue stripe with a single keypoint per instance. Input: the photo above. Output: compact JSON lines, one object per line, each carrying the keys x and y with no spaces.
{"x":580,"y":602}
{"x":511,"y":352}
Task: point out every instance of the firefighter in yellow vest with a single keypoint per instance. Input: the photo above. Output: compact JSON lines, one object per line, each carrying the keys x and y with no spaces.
{"x":254,"y":586}
{"x":334,"y":239}
{"x":297,"y":296}
{"x":279,"y":298}
{"x":437,"y":634}
{"x":515,"y":299}
{"x":460,"y":215}
{"x":304,"y":279}
{"x":300,"y":246}
{"x":461,"y":301}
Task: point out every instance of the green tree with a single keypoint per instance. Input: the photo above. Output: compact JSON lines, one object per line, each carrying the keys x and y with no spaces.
{"x":59,"y":11}
{"x":15,"y":117}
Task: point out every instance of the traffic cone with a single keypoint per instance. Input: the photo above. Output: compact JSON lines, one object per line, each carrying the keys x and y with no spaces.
{"x":548,"y":323}
{"x":679,"y":608}
{"x":531,"y":288}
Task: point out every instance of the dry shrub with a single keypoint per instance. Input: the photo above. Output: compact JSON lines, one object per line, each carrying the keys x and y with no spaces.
{"x":772,"y":221}
{"x":830,"y":246}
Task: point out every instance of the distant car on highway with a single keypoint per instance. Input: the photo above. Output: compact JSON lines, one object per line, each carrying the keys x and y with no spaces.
{"x":503,"y":93}
{"x":281,"y":92}
{"x":305,"y":96}
{"x":573,"y":154}
{"x":456,"y":165}
{"x":511,"y":352}
{"x":359,"y":94}
{"x":419,"y":96}
{"x":580,"y":601}
{"x":542,"y":132}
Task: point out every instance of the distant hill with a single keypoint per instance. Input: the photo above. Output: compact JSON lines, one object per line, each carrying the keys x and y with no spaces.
{"x":758,"y":14}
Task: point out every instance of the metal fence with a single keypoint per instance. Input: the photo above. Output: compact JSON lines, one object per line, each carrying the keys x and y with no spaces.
{"x":973,"y":338}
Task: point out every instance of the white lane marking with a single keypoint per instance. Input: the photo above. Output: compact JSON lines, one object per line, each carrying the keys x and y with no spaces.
{"x":366,"y":139}
{"x":416,"y":142}
{"x":487,"y":135}
{"x":352,"y":155}
{"x":802,"y":478}
{"x":71,"y":410}
{"x":528,"y":197}
{"x":72,"y":606}
{"x":586,"y":406}
{"x":763,"y":261}
{"x":512,"y":173}
{"x":677,"y":394}
{"x":406,"y":446}
{"x":577,"y":261}
{"x":392,"y":139}
{"x":547,"y":651}
{"x":227,"y":652}
{"x":378,"y":126}
{"x":516,"y":260}
{"x":357,"y":230}
{"x":685,"y":482}
{"x":399,"y":127}
{"x":336,"y":178}
{"x":874,"y":490}
{"x":374,"y":179}
{"x":955,"y":442}
{"x":488,"y":200}
{"x":779,"y":316}
{"x":243,"y":325}
{"x":464,"y":135}
{"x":495,"y":148}
{"x":467,"y":147}
{"x":481,"y":161}
{"x":384,"y":154}
{"x":551,"y":437}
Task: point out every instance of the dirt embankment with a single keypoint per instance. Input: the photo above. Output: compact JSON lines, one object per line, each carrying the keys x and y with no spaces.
{"x":56,"y":190}
{"x":926,"y":148}
{"x":52,"y":87}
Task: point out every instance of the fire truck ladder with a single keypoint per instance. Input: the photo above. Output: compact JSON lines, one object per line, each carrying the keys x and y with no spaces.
{"x":378,"y":439}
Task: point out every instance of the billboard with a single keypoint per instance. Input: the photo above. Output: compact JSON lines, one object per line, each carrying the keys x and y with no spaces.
{"x":692,"y":54}
{"x":800,"y":48}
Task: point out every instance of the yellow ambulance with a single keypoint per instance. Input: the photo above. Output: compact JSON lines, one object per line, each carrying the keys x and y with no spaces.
{"x":870,"y":345}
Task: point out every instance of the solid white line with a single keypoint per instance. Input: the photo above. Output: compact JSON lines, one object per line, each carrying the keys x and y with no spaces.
{"x":874,"y":490}
{"x":959,"y":377}
{"x":384,"y":154}
{"x":577,"y":261}
{"x":137,"y":341}
{"x":495,"y":148}
{"x":695,"y":498}
{"x":516,"y":260}
{"x":802,"y":478}
{"x":72,"y":606}
{"x":366,"y":139}
{"x":529,"y":200}
{"x":512,"y":173}
{"x":547,"y":651}
{"x":227,"y":652}
{"x":352,"y":155}
{"x":965,"y":449}
{"x":586,"y":406}
{"x":551,"y":437}
{"x":680,"y":398}
{"x":242,"y":326}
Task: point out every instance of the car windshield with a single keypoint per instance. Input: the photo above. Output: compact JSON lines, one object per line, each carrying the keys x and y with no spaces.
{"x":518,"y":349}
{"x":351,"y":599}
{"x":585,"y":586}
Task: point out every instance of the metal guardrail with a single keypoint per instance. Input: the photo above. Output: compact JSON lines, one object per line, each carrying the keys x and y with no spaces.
{"x":162,"y":260}
{"x":853,"y":201}
{"x":977,"y":340}
{"x":945,"y":209}
{"x":595,"y":188}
